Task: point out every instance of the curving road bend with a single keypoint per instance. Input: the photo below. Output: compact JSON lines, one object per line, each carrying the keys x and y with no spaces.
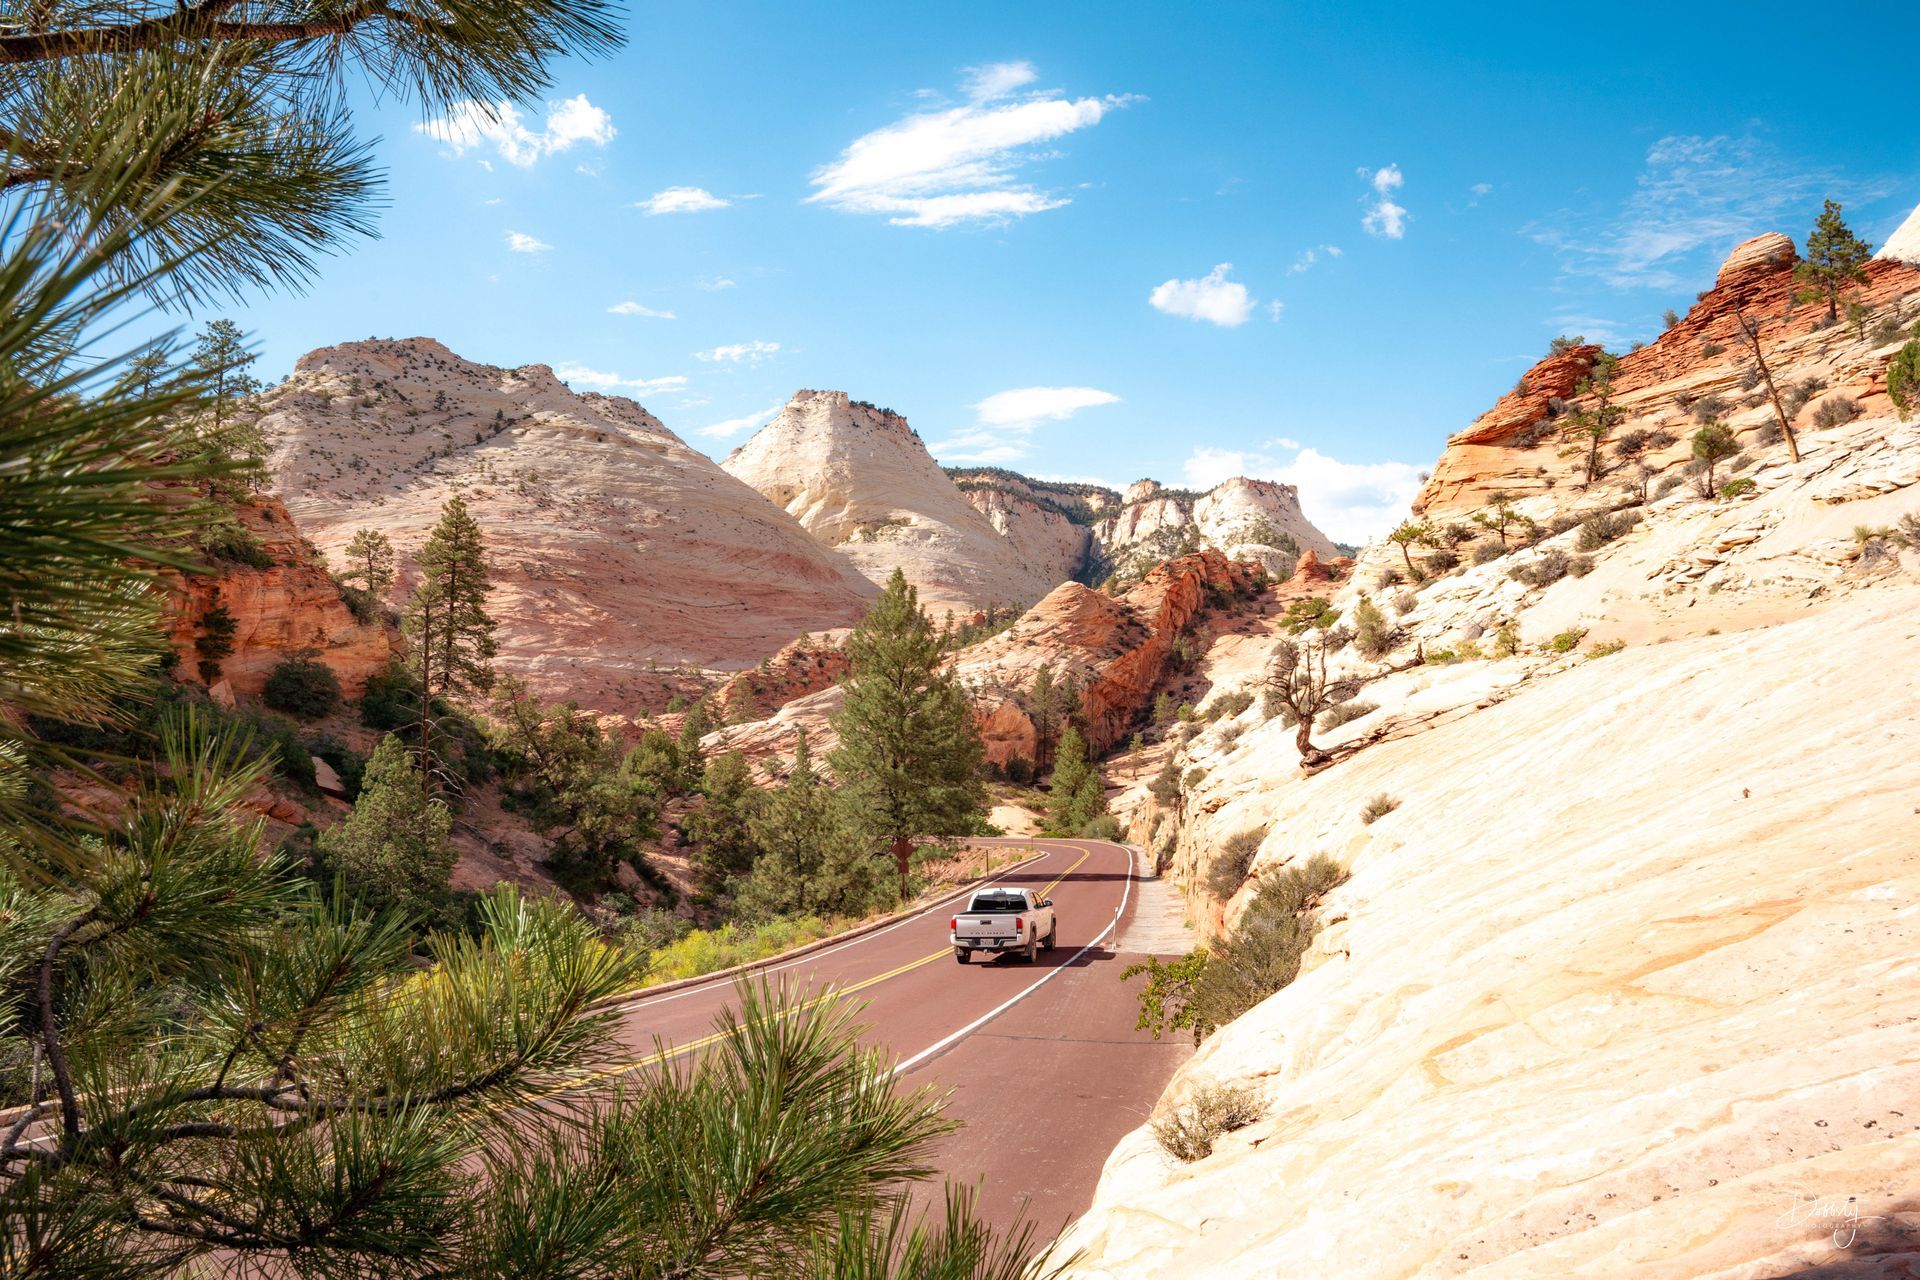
{"x":1043,"y":1062}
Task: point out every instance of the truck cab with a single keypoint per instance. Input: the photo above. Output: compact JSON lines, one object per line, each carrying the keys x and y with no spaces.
{"x":999,"y":921}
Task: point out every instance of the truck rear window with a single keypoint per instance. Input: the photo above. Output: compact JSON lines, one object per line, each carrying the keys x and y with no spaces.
{"x":1000,"y":901}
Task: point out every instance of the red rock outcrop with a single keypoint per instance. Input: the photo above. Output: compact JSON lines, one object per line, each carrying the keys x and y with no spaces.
{"x":291,"y":607}
{"x":1703,"y":353}
{"x":1116,"y":649}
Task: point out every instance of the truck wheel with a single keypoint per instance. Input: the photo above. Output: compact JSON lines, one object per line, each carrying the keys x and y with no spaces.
{"x":1052,"y":932}
{"x":960,"y":955}
{"x":1033,"y":949}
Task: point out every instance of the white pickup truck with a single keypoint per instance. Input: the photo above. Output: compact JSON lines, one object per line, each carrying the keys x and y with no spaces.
{"x":998,"y":921}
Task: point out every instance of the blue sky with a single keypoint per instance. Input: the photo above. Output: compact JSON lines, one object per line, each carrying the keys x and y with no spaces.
{"x":1117,"y":240}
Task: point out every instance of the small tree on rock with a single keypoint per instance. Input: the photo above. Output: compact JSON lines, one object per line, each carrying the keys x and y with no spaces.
{"x":1712,"y":445}
{"x":1589,"y":425}
{"x":1835,"y":259}
{"x":908,"y":759}
{"x":1299,"y":682}
{"x":370,"y":559}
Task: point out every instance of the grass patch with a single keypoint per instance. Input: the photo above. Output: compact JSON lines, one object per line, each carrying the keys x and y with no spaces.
{"x":1188,"y":1132}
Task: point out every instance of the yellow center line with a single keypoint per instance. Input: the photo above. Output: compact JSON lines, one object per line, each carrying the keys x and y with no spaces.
{"x":694,"y":1046}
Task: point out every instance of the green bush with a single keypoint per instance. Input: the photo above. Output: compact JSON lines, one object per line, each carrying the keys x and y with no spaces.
{"x":1188,"y":1132}
{"x":1598,"y":530}
{"x":1566,"y":641}
{"x":1836,"y":411}
{"x":1165,"y":786}
{"x":1579,"y":566}
{"x":1735,"y":487}
{"x":391,"y":700}
{"x":1544,"y":569}
{"x":1334,"y":717}
{"x":1103,"y":827}
{"x":349,"y":765}
{"x":1377,"y":808}
{"x":301,"y":685}
{"x":1373,"y":635}
{"x":230,"y":541}
{"x":1487,"y":552}
{"x":1262,"y":952}
{"x":1231,"y":864}
{"x":1229,"y":705}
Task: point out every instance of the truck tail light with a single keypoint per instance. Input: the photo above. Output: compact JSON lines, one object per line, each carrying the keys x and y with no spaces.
{"x":1019,"y":923}
{"x":953,"y":925}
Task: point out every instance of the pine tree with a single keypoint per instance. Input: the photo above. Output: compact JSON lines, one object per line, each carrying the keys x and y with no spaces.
{"x":1070,"y":772}
{"x":693,"y":758}
{"x":1042,"y":709}
{"x":1712,"y":445}
{"x":721,"y":827}
{"x":1593,"y":421}
{"x":370,"y":559}
{"x":1835,"y":259}
{"x":1406,"y":535}
{"x":446,"y":621}
{"x":1903,"y":378}
{"x":908,"y":758}
{"x":391,"y":851}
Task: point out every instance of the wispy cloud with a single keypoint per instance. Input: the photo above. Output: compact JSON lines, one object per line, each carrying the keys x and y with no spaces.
{"x":1310,"y":256}
{"x":1348,"y":501}
{"x":1694,"y":199}
{"x":631,"y":308}
{"x":682,"y":200}
{"x":739,"y":352}
{"x":1384,"y":217}
{"x":959,"y":165}
{"x":1004,"y":422}
{"x":734,"y":426}
{"x":520,"y":242}
{"x":502,"y":126}
{"x":574,"y":373}
{"x":996,"y":80}
{"x":1480,"y":191}
{"x":1212,"y":298}
{"x":718,"y":283}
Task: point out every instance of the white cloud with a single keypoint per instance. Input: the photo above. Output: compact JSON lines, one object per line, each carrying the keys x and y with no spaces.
{"x":631,"y":308}
{"x":1348,"y":501}
{"x":573,"y":372}
{"x":739,"y":352}
{"x":522,"y":243}
{"x":1306,"y":260}
{"x":682,"y":200}
{"x":717,"y":284}
{"x":1276,"y":309}
{"x":1384,"y":217}
{"x":1005,"y":421}
{"x":996,"y":80}
{"x":1694,"y":199}
{"x":495,"y":200}
{"x":959,"y":165}
{"x":1481,"y":190}
{"x":1212,"y":298}
{"x":470,"y":124}
{"x":734,"y":426}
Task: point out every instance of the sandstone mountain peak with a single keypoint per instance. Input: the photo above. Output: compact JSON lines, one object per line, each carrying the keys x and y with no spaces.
{"x":620,"y":552}
{"x":1904,"y":244}
{"x":860,"y":479}
{"x":1766,"y":250}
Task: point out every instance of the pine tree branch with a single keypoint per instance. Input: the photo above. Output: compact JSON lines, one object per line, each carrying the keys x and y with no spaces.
{"x":203,"y":23}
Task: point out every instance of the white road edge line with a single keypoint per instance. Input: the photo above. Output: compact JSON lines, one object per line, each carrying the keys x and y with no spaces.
{"x":1042,"y":981}
{"x":932,"y":908}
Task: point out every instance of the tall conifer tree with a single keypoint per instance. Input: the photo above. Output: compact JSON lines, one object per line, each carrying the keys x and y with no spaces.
{"x":909,"y":757}
{"x":446,"y":620}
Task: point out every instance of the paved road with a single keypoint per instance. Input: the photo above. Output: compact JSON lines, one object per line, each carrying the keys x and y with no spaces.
{"x":1043,"y":1062}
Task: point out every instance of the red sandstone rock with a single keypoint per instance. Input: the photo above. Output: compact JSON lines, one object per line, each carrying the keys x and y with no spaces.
{"x":290,"y":607}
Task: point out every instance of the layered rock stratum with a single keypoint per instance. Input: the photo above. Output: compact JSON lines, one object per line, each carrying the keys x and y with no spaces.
{"x":618,"y":552}
{"x":1622,"y":980}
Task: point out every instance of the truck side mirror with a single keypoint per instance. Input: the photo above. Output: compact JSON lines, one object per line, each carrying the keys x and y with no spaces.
{"x":1046,"y":902}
